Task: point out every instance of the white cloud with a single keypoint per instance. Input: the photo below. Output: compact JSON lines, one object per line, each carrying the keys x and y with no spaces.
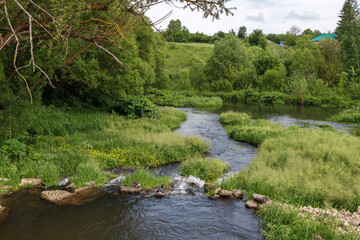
{"x":303,"y":15}
{"x":256,"y":18}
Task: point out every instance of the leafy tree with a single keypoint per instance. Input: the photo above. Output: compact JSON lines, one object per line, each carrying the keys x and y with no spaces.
{"x":174,"y":26}
{"x":265,"y":61}
{"x":308,"y":32}
{"x":273,"y":37}
{"x":257,"y":38}
{"x":273,"y":79}
{"x":242,"y":32}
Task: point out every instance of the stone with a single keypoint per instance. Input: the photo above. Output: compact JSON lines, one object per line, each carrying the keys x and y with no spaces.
{"x":70,"y":187}
{"x":260,"y":198}
{"x":78,"y":197}
{"x":130,"y":190}
{"x":4,"y":180}
{"x":358,"y":211}
{"x":162,"y":192}
{"x":237,"y":194}
{"x":217,"y":190}
{"x":210,"y":186}
{"x":251,"y":204}
{"x":194,"y":181}
{"x":135,"y":184}
{"x":30,"y":182}
{"x":90,"y":183}
{"x":225,"y":194}
{"x":6,"y":187}
{"x":214,"y":196}
{"x":4,"y":212}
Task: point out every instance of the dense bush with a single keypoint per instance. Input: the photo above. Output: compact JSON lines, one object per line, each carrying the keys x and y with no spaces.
{"x":135,"y":108}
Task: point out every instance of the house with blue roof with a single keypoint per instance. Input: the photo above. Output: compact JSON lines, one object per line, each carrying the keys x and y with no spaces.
{"x":323,"y":36}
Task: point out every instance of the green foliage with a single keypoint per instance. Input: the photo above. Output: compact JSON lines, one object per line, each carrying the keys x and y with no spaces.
{"x":265,"y":61}
{"x":234,"y":118}
{"x":305,"y":167}
{"x":14,"y":149}
{"x":273,"y":79}
{"x":90,"y":171}
{"x":206,"y":169}
{"x":179,"y":99}
{"x":347,"y":116}
{"x":135,"y":108}
{"x":257,"y":38}
{"x":147,"y":180}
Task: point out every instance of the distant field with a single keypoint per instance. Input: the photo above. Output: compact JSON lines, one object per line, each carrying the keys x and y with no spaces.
{"x":181,"y":55}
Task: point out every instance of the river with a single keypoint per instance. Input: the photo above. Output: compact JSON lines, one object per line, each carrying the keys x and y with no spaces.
{"x":185,"y":215}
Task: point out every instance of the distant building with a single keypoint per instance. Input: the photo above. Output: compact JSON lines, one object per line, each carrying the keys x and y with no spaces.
{"x":282,"y":44}
{"x":323,"y":36}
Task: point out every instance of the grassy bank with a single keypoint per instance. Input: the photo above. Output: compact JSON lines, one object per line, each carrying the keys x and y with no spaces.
{"x":347,"y":116}
{"x":303,"y":167}
{"x":183,"y":99}
{"x":82,"y":143}
{"x":253,"y":96}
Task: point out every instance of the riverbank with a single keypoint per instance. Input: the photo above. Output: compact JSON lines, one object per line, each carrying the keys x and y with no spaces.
{"x":166,"y":98}
{"x":81,"y":144}
{"x":302,"y":167}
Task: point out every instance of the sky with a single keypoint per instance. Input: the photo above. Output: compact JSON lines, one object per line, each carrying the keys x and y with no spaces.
{"x":272,"y":16}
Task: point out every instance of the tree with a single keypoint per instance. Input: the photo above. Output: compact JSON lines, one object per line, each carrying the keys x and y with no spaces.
{"x":295,"y":30}
{"x":348,"y":31}
{"x":174,"y":26}
{"x":308,"y":32}
{"x":257,"y":38}
{"x":242,"y":32}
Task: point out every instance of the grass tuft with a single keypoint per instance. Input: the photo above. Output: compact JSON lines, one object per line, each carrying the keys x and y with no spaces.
{"x":147,"y":180}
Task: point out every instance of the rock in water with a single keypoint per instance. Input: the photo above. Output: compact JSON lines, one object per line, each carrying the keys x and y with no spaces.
{"x":131,"y":190}
{"x":162,"y":192}
{"x":194,"y":181}
{"x":4,"y":212}
{"x":31,"y":182}
{"x":251,"y":204}
{"x":225,"y":194}
{"x":260,"y":198}
{"x":214,"y":196}
{"x":135,"y":184}
{"x":79,"y":197}
{"x":237,"y":194}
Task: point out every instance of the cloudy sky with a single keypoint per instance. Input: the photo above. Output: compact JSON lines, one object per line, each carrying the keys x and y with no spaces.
{"x":272,"y":16}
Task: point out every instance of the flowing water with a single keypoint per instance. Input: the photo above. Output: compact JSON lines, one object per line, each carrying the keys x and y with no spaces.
{"x":187,"y":214}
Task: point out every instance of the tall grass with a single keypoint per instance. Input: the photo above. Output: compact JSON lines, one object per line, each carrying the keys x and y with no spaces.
{"x":147,"y":180}
{"x":206,"y":169}
{"x":280,"y":223}
{"x":347,"y":116}
{"x":305,"y":167}
{"x":234,"y":118}
{"x":82,"y":144}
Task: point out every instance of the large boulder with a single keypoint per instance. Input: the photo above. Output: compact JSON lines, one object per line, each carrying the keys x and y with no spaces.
{"x":237,"y":194}
{"x":129,"y":190}
{"x":226,"y":194}
{"x":260,"y":198}
{"x":4,"y":212}
{"x":30,"y":182}
{"x":78,"y":197}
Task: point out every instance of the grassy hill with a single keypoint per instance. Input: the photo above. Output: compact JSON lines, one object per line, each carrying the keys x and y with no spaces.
{"x":178,"y":55}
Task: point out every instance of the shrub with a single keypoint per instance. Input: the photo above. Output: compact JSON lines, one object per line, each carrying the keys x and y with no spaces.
{"x":234,"y":118}
{"x":135,"y":108}
{"x":206,"y":169}
{"x":147,"y":180}
{"x":13,"y":148}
